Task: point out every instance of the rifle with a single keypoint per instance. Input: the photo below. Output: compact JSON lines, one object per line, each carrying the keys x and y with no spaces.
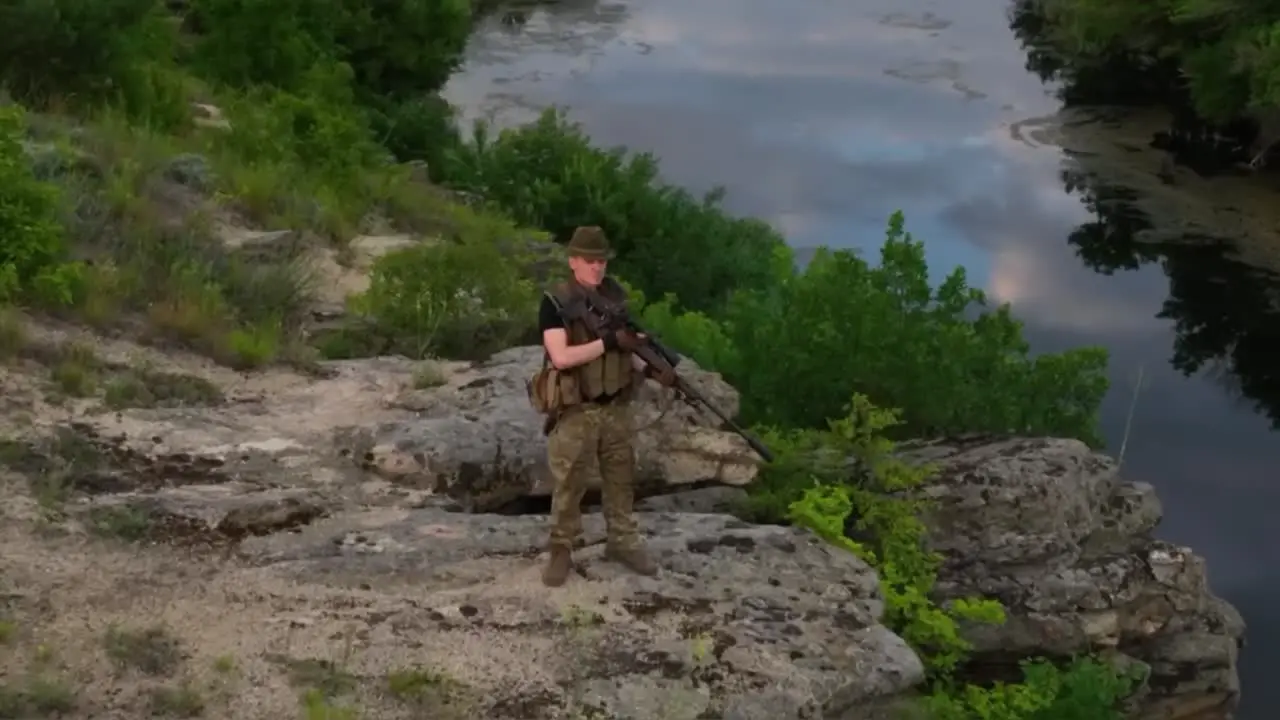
{"x":602,"y":315}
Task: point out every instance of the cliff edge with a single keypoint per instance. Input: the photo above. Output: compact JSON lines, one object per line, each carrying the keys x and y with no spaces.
{"x":354,"y":535}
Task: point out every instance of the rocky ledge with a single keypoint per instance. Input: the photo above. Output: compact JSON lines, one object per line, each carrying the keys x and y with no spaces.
{"x":359,"y":509}
{"x":744,"y":622}
{"x":1052,"y":531}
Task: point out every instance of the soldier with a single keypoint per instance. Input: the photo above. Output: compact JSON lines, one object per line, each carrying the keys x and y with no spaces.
{"x":595,"y":380}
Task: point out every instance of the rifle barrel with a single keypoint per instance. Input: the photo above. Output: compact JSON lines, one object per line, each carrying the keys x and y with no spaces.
{"x":614,"y":315}
{"x":755,"y":443}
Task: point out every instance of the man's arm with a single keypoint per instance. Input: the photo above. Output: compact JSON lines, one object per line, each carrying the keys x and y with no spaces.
{"x":556,"y":340}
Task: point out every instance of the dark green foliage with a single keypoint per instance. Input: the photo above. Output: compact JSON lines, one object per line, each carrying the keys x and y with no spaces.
{"x":34,"y":242}
{"x":78,"y":54}
{"x":548,"y":175}
{"x":843,"y":326}
{"x":402,"y":49}
{"x":396,"y":49}
{"x":884,"y":332}
{"x":264,"y":42}
{"x":1227,"y":52}
{"x":419,"y":128}
{"x":881,"y":501}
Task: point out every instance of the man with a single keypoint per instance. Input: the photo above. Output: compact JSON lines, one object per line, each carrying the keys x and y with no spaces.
{"x":593,"y":431}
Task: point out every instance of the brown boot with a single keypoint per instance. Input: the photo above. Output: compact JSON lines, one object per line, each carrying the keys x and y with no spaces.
{"x":558,"y":566}
{"x":636,"y":558}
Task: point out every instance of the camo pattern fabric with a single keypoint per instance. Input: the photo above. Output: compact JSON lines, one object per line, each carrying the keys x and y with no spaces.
{"x":593,"y":440}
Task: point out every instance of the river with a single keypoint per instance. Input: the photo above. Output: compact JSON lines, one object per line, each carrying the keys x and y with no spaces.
{"x":824,"y":116}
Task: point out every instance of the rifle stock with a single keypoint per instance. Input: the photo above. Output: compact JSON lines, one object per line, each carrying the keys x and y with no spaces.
{"x":601,"y":316}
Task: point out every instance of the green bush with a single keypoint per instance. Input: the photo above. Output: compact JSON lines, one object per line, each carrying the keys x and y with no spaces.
{"x":316,"y":128}
{"x":403,"y":49}
{"x":696,"y":334}
{"x":843,"y":326}
{"x":420,"y":128}
{"x":881,"y":494}
{"x":244,"y":43}
{"x":34,"y":246}
{"x":395,"y":49}
{"x":794,"y":343}
{"x":449,"y":299}
{"x":547,"y":175}
{"x":80,"y":54}
{"x":885,"y":509}
{"x":1227,"y":51}
{"x":1085,"y":689}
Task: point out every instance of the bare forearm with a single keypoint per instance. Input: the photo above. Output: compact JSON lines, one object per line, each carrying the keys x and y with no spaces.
{"x":574,"y":355}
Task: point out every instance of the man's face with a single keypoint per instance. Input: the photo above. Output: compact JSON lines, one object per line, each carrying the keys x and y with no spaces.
{"x":588,"y":271}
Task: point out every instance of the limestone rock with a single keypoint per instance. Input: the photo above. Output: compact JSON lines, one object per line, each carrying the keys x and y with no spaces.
{"x":230,"y":510}
{"x":477,"y":440}
{"x":739,"y":617}
{"x":209,"y":116}
{"x":471,"y":442}
{"x":715,"y":499}
{"x":1050,"y":529}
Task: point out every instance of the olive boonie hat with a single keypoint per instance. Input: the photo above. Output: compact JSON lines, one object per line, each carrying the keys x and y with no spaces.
{"x":590,"y":242}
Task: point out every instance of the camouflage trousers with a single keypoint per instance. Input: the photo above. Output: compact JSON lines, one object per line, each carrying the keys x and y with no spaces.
{"x":591,"y":441}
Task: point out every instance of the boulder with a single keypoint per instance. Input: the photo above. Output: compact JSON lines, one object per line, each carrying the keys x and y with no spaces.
{"x":477,"y":440}
{"x":746,"y":622}
{"x":469,"y":442}
{"x":1050,"y":529}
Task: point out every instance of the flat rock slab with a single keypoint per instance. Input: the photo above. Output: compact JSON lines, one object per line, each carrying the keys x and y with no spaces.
{"x":473,"y":441}
{"x":740,"y":616}
{"x":231,"y":510}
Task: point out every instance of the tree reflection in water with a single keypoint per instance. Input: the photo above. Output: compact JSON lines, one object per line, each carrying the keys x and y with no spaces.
{"x":1226,"y":314}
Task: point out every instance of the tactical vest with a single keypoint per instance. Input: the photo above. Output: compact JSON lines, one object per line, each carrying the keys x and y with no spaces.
{"x":611,"y":373}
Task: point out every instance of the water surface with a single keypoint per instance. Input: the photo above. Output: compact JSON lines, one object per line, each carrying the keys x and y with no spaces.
{"x":824,"y":116}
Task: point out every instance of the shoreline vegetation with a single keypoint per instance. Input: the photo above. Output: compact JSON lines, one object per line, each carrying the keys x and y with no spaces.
{"x":1213,"y":64}
{"x":142,"y":142}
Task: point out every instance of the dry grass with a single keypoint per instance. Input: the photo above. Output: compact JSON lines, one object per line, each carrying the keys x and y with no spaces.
{"x":429,"y":375}
{"x":156,"y":216}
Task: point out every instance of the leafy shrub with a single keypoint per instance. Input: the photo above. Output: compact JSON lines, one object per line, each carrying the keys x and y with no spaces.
{"x":316,"y":128}
{"x":420,"y":128}
{"x":1225,"y":53}
{"x":547,"y":175}
{"x":395,"y":49}
{"x":449,"y":299}
{"x":82,"y":53}
{"x":1085,"y":689}
{"x":794,"y":343}
{"x":695,"y":334}
{"x":232,"y":45}
{"x":843,"y":326}
{"x":885,"y":510}
{"x":299,"y":159}
{"x":874,"y":499}
{"x":401,"y":49}
{"x":33,"y":250}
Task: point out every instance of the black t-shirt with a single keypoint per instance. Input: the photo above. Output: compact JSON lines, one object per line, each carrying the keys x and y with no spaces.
{"x":549,"y":316}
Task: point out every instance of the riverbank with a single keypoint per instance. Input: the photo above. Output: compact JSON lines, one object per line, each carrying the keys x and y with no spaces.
{"x":854,"y":121}
{"x":200,"y":233}
{"x":305,"y":559}
{"x":1197,"y":61}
